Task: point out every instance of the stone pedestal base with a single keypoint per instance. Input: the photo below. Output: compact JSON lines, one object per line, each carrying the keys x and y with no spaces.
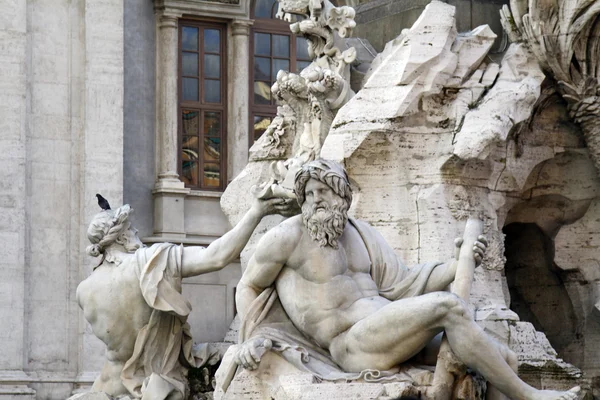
{"x":13,"y":386}
{"x":277,"y":379}
{"x":169,"y":211}
{"x":16,"y":392}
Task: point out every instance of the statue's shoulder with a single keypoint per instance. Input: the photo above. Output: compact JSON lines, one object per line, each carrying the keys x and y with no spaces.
{"x":288,"y":231}
{"x":360,"y":225}
{"x":291,"y":227}
{"x":366,"y":231}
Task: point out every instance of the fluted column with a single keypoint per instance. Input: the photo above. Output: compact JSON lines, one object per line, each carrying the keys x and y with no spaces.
{"x":169,"y":192}
{"x":166,"y":101}
{"x":239,"y":132}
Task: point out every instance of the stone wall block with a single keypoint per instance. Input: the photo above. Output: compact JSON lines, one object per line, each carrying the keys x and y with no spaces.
{"x":13,"y":58}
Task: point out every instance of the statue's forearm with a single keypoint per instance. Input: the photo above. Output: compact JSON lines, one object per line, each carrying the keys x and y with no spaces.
{"x":442,"y":276}
{"x":230,"y":245}
{"x":244,"y":296}
{"x":222,"y":251}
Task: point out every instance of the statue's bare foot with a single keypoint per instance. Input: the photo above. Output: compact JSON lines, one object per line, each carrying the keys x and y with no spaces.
{"x":572,"y":394}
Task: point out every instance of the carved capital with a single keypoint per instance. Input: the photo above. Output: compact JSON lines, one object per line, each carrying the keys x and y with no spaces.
{"x":167,"y":20}
{"x":241,"y":27}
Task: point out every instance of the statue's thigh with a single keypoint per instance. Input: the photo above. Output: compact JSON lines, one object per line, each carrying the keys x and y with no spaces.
{"x":392,"y":335}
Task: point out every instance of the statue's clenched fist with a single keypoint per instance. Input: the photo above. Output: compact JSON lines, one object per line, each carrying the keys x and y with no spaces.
{"x":479,"y":248}
{"x":251,"y":351}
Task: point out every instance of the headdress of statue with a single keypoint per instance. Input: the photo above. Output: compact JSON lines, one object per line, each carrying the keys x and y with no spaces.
{"x":329,"y":172}
{"x":106,"y":228}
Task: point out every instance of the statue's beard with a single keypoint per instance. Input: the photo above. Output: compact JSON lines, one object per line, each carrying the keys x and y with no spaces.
{"x":325,"y":226}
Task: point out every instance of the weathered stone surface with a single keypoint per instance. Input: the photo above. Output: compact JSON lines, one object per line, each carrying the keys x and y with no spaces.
{"x":567,"y":50}
{"x":507,"y":103}
{"x":277,"y":379}
{"x":94,"y":396}
{"x":500,"y":147}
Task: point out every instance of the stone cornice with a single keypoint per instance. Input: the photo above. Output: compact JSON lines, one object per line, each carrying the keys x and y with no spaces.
{"x":202,"y":8}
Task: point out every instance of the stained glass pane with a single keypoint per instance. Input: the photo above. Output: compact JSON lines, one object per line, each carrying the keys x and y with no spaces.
{"x":189,"y":63}
{"x":189,"y":38}
{"x":212,"y":66}
{"x":190,"y":89}
{"x":190,"y":122}
{"x":212,"y":174}
{"x":262,"y":93}
{"x":262,"y":44}
{"x":212,"y":149}
{"x":279,"y":65}
{"x":281,"y":46}
{"x":262,"y":68}
{"x":212,"y":91}
{"x":264,"y":8}
{"x":301,"y":48}
{"x":212,"y":123}
{"x":212,"y":41}
{"x":261,"y":124}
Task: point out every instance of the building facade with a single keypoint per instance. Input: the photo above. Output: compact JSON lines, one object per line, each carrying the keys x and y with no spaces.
{"x":151,"y":103}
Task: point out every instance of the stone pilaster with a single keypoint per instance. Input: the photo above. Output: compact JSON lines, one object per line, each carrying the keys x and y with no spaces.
{"x":239,"y":131}
{"x":13,"y":200}
{"x":169,"y":192}
{"x":100,"y":61}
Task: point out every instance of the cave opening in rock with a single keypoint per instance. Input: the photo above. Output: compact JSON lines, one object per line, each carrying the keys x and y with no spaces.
{"x":537,"y":289}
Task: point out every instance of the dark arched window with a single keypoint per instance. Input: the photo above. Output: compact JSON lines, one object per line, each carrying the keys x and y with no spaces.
{"x":273,"y":47}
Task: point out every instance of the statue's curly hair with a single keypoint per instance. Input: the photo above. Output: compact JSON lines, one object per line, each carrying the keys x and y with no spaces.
{"x":330,"y":173}
{"x":106,"y":227}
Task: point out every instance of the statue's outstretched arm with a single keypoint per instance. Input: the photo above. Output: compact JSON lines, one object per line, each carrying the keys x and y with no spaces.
{"x":223,"y":251}
{"x":272,"y":253}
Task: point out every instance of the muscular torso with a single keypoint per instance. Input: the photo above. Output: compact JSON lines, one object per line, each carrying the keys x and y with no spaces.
{"x":113,"y":304}
{"x":324,"y":290}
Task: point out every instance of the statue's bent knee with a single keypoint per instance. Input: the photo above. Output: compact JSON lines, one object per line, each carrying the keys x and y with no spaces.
{"x":452,"y":305}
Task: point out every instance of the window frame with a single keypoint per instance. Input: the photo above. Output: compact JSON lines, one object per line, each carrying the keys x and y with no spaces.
{"x":201,"y":106}
{"x":271,"y":26}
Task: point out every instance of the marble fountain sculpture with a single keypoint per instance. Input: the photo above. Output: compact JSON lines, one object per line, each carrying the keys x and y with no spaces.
{"x":438,"y":135}
{"x":441,"y":131}
{"x":134,"y":304}
{"x":335,"y":302}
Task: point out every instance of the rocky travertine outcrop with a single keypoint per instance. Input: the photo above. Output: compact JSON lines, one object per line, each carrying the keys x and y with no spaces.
{"x":564,"y":37}
{"x":438,"y":133}
{"x":454,"y":136}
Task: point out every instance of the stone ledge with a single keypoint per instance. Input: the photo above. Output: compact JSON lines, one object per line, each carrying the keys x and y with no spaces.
{"x":189,"y":241}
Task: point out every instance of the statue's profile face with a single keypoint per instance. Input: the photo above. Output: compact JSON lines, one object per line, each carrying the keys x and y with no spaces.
{"x":130,"y":240}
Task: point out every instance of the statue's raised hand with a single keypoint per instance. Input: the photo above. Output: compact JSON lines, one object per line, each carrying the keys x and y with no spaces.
{"x":251,"y":351}
{"x":276,"y":205}
{"x":479,"y":248}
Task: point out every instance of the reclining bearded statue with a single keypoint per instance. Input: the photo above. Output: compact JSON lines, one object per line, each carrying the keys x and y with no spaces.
{"x":328,"y":294}
{"x":134,"y":304}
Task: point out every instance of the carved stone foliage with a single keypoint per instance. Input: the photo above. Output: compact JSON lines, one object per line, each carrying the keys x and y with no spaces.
{"x":315,"y":94}
{"x":308,"y":101}
{"x":565,"y":38}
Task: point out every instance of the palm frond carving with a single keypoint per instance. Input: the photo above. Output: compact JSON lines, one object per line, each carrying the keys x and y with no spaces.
{"x":564,"y":35}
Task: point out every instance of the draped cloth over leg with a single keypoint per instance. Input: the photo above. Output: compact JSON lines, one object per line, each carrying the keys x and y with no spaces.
{"x":162,"y":354}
